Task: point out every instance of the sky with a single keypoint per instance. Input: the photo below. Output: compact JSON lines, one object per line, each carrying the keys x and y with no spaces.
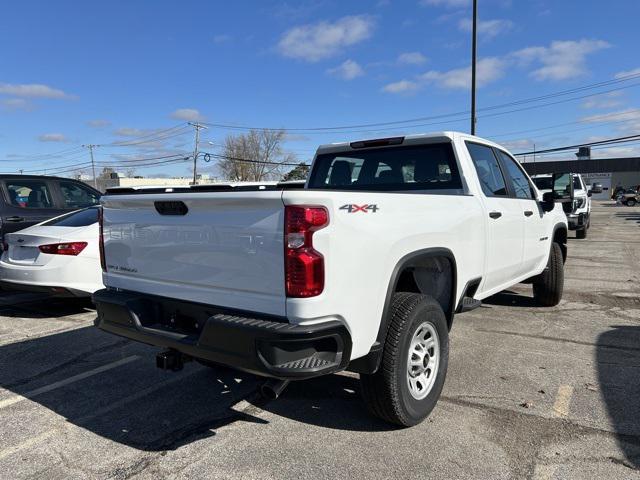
{"x":129,"y":75}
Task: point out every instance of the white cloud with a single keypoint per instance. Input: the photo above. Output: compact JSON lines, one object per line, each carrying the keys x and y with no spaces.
{"x":629,"y":120}
{"x":488,"y":70}
{"x":98,"y":123}
{"x":131,"y":132}
{"x":445,"y":3}
{"x":486,"y":28}
{"x":13,"y":104}
{"x":628,"y":73}
{"x":187,"y":114}
{"x":347,"y":70}
{"x":605,"y":100}
{"x":222,"y":38}
{"x":520,"y":144}
{"x":52,"y":137}
{"x":402,"y":87}
{"x":411,"y":58}
{"x":33,"y":90}
{"x":561,"y":60}
{"x":315,"y":42}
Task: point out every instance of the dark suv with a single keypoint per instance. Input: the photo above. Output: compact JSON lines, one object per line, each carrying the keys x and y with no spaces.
{"x":29,"y":199}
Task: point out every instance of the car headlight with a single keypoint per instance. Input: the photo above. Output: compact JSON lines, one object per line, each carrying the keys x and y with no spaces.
{"x":578,"y":203}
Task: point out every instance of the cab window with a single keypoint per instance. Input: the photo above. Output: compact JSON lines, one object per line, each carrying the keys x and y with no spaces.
{"x":488,"y":168}
{"x":29,"y":194}
{"x":516,"y":177}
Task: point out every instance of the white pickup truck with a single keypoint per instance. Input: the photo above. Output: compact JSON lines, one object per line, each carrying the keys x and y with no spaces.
{"x":361,"y":268}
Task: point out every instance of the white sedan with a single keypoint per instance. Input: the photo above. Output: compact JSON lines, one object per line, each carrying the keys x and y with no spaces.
{"x":60,"y":256}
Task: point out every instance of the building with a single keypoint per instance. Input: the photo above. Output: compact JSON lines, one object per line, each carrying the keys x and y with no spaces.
{"x":609,"y":172}
{"x":116,"y":179}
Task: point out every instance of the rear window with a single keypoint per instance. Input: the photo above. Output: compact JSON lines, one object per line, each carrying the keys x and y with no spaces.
{"x":420,"y":167}
{"x":80,"y":218}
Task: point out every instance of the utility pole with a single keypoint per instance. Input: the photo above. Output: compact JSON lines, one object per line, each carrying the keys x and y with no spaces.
{"x":534,"y":153}
{"x":93,"y":163}
{"x":197,"y":127}
{"x":473,"y":66}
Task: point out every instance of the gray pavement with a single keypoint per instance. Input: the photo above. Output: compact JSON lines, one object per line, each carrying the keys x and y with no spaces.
{"x":539,"y":393}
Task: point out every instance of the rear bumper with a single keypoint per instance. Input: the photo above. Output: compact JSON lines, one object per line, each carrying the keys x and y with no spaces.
{"x":262,"y":345}
{"x":62,"y":292}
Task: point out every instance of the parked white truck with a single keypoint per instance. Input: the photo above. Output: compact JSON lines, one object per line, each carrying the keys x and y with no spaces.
{"x":362,"y":267}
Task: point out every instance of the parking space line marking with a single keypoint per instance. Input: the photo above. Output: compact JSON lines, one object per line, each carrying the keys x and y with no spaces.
{"x":28,"y":443}
{"x":61,"y":383}
{"x":563,"y":399}
{"x":544,"y":472}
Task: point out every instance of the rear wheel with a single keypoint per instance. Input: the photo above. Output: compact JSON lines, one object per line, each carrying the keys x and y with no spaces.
{"x":406,"y":387}
{"x":548,"y":286}
{"x":631,"y":202}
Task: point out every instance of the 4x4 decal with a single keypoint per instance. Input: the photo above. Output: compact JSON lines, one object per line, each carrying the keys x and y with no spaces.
{"x":353,"y":208}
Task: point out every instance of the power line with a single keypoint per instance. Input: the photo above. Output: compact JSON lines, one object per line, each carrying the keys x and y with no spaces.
{"x":626,"y":78}
{"x":625,"y":139}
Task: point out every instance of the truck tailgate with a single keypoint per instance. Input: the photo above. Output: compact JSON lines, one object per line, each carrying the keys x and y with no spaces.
{"x":226,"y":250}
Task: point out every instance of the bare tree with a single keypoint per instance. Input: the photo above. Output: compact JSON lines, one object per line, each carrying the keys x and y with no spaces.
{"x":255,"y":156}
{"x":130,"y":172}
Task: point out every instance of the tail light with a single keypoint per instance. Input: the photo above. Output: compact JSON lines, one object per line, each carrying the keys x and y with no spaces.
{"x":69,"y":248}
{"x":304,"y":266}
{"x":103,"y":262}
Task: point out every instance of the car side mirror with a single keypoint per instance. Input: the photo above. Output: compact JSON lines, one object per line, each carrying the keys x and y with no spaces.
{"x":548,"y":201}
{"x":589,"y":193}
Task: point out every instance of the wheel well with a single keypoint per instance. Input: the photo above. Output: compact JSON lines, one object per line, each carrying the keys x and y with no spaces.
{"x":560,"y":237}
{"x":431,"y":275}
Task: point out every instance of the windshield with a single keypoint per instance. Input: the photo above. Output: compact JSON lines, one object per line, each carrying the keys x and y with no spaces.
{"x":79,"y":218}
{"x":421,"y":167}
{"x":543,"y":183}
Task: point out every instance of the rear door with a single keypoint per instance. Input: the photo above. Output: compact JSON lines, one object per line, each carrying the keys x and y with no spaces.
{"x":27,"y":201}
{"x":505,"y":220}
{"x":535,"y":238}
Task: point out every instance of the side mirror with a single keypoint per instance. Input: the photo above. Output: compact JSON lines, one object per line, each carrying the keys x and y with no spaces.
{"x":548,"y":201}
{"x":589,"y":193}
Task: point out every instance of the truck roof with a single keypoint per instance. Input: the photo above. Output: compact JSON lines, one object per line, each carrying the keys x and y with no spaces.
{"x":413,"y":139}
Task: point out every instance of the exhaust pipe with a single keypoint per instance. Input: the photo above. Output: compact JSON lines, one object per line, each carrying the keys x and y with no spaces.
{"x":272,"y":389}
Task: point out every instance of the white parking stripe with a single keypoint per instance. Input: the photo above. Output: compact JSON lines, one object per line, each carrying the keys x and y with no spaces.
{"x":61,"y":383}
{"x":563,"y":399}
{"x":28,"y":443}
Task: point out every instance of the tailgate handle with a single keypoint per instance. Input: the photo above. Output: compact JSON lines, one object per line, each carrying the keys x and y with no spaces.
{"x":171,"y":208}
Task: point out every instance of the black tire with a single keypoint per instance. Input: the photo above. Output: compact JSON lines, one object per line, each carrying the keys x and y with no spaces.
{"x":548,"y":286}
{"x":581,"y":233}
{"x":387,"y":392}
{"x":631,"y":202}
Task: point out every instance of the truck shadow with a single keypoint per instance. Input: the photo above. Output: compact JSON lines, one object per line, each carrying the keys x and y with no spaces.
{"x":131,"y":402}
{"x":630,"y":216}
{"x":509,"y":298}
{"x":618,"y":363}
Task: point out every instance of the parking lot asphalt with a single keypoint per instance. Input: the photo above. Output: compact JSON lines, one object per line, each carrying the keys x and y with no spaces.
{"x":539,"y":393}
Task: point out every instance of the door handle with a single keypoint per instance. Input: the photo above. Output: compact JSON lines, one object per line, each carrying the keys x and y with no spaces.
{"x":14,"y":218}
{"x":495,"y":214}
{"x":528,"y":213}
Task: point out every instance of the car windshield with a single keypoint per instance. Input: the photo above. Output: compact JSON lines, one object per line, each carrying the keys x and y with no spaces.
{"x":420,"y":167}
{"x":79,"y":218}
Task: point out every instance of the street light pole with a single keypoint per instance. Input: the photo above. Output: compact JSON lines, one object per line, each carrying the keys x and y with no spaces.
{"x":473,"y":66}
{"x":93,"y":164}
